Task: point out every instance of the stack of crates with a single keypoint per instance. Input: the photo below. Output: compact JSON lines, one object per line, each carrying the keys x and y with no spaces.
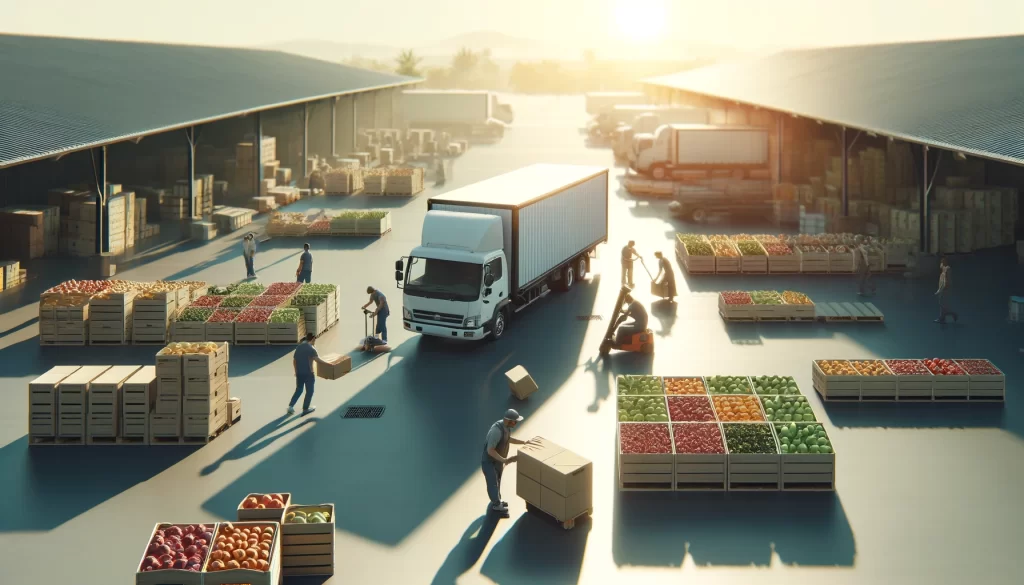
{"x":165,"y":420}
{"x":205,"y":394}
{"x":73,"y":404}
{"x":138,"y":394}
{"x":42,"y":404}
{"x":110,"y":318}
{"x":151,"y":317}
{"x":104,"y":402}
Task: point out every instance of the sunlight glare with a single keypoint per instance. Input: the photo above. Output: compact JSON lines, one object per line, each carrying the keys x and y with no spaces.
{"x":641,"y":21}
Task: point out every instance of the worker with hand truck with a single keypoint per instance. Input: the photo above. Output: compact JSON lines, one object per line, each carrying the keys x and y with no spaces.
{"x":381,"y":313}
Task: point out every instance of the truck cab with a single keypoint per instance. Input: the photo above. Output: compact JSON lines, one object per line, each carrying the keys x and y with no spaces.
{"x":455,"y":281}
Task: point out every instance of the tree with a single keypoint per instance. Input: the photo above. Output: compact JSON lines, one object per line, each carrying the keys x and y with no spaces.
{"x":408,"y":64}
{"x":464,"y":62}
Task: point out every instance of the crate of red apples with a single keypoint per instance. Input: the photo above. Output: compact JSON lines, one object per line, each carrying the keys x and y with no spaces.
{"x":175,"y":554}
{"x":645,"y":456}
{"x":700,"y":459}
{"x":927,"y":379}
{"x":735,"y":304}
{"x":951,"y":382}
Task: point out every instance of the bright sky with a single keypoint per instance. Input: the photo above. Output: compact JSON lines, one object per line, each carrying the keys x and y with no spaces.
{"x":744,"y":24}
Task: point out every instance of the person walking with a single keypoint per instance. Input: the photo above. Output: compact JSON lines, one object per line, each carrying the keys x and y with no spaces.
{"x":302,"y":361}
{"x":305,"y":271}
{"x":628,"y":256}
{"x":667,"y":277}
{"x":249,"y":254}
{"x":943,"y":292}
{"x":381,"y":313}
{"x":864,"y":284}
{"x":495,"y":457}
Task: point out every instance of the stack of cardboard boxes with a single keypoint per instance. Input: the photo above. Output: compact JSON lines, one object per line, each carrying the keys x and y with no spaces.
{"x":556,"y":480}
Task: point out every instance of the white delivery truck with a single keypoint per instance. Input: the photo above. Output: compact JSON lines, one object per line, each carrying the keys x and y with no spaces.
{"x":462,"y":113}
{"x":490,"y":249}
{"x":646,"y":124}
{"x":684,"y":147}
{"x":599,"y":101}
{"x":607,"y":121}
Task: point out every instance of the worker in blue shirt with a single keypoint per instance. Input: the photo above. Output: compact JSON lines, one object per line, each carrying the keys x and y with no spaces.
{"x":305,"y":270}
{"x":495,"y":458}
{"x":302,"y":361}
{"x":381,"y":313}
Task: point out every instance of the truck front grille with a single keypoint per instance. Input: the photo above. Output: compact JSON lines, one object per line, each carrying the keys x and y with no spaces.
{"x":432,"y":317}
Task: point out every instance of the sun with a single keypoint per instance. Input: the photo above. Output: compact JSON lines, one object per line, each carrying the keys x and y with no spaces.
{"x":641,"y":21}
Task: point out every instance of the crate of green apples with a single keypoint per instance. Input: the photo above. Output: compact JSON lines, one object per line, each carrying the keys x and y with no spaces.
{"x":640,"y":386}
{"x":728,"y":384}
{"x":803,"y":439}
{"x":642,"y":409}
{"x":775,"y":385}
{"x":808,"y":460}
{"x":787,"y":409}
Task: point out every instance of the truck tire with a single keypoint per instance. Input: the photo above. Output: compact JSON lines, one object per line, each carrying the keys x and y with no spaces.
{"x":499,"y":325}
{"x":659,"y":172}
{"x":568,"y":277}
{"x":582,"y":264}
{"x":699,"y":215}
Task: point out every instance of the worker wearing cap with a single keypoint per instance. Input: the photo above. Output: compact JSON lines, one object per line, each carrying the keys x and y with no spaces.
{"x":495,"y":457}
{"x":382,"y":312}
{"x":628,"y":256}
{"x":248,"y":254}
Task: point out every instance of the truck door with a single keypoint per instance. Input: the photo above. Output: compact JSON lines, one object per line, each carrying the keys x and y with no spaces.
{"x":499,"y":288}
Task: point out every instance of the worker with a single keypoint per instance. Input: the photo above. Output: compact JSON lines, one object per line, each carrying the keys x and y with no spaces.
{"x":635,"y":311}
{"x":628,"y":256}
{"x":302,"y":362}
{"x":863,"y":262}
{"x":943,"y":292}
{"x":304,"y":273}
{"x":249,"y":254}
{"x":495,"y":457}
{"x":316,"y":182}
{"x":667,"y":277}
{"x":381,"y":313}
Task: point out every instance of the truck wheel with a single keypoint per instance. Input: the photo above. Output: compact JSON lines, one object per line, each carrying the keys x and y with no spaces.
{"x":568,"y":278}
{"x":500,"y":322}
{"x":581,"y":267}
{"x":699,"y":215}
{"x":658,"y":172}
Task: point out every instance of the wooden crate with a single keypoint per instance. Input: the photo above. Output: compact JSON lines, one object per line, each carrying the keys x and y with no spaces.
{"x":250,"y":333}
{"x":234,"y":576}
{"x":789,"y":264}
{"x":987,"y":388}
{"x":286,"y":333}
{"x":878,"y":387}
{"x":203,"y":405}
{"x":164,"y":428}
{"x":799,"y":312}
{"x":813,"y":262}
{"x":72,"y":401}
{"x":204,"y":386}
{"x":695,"y":471}
{"x":951,"y":387}
{"x":138,"y":398}
{"x":405,"y":185}
{"x":104,"y":402}
{"x":736,"y":312}
{"x":644,"y":471}
{"x":160,"y":308}
{"x":754,"y":471}
{"x":840,"y":262}
{"x":223,"y":332}
{"x":166,"y":576}
{"x":308,"y":549}
{"x":914,"y":388}
{"x":169,"y":366}
{"x":204,"y":427}
{"x":188,"y":331}
{"x":204,"y":366}
{"x":809,"y":471}
{"x":727,"y":265}
{"x":316,"y":318}
{"x":698,"y":264}
{"x":43,"y":400}
{"x":754,"y":264}
{"x":835,"y":387}
{"x":265,"y":514}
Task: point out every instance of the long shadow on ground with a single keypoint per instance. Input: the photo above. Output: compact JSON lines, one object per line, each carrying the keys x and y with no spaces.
{"x":538,"y":551}
{"x":390,"y":474}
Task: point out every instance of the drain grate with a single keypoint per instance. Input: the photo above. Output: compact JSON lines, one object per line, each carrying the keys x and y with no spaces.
{"x":588,"y":317}
{"x":363,"y":412}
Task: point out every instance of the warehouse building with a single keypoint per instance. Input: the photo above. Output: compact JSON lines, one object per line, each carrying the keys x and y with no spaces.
{"x":918,"y":141}
{"x":127,"y":138}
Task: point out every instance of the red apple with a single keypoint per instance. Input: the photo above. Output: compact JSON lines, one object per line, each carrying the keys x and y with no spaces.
{"x":173,"y":531}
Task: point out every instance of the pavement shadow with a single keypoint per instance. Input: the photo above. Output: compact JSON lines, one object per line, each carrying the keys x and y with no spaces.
{"x":46,"y":486}
{"x":913,"y":415}
{"x":257,"y":441}
{"x":665,"y":312}
{"x":440,"y":397}
{"x":538,"y":551}
{"x":467,"y":552}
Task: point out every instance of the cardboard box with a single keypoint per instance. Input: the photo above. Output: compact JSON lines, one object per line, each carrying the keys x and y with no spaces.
{"x":340,"y":365}
{"x":234,"y":409}
{"x":564,"y":508}
{"x":528,"y":489}
{"x":520,"y":382}
{"x":567,"y":473}
{"x":532,"y":457}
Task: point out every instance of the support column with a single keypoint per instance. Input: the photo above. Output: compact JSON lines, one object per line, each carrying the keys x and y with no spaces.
{"x":334,"y":126}
{"x":846,"y":193}
{"x":99,"y":169}
{"x":923,"y":201}
{"x":190,"y":137}
{"x":305,"y":139}
{"x":258,"y":147}
{"x":778,"y":149}
{"x":355,"y":121}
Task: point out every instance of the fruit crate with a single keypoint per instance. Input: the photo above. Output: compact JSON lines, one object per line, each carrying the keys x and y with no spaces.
{"x":220,"y":332}
{"x":250,"y":333}
{"x":801,"y":312}
{"x":956,"y":387}
{"x":286,"y":333}
{"x":840,"y":262}
{"x":916,"y":387}
{"x":645,"y":471}
{"x":203,"y":366}
{"x":188,"y":331}
{"x":878,"y":387}
{"x":168,"y":366}
{"x":807,"y":471}
{"x":201,"y":385}
{"x":104,"y":404}
{"x":166,"y":576}
{"x":203,"y":405}
{"x":316,"y":318}
{"x":698,"y":264}
{"x":249,"y":576}
{"x":42,"y":398}
{"x":833,"y":387}
{"x":813,"y":262}
{"x":201,"y":428}
{"x":986,"y":387}
{"x":699,"y":471}
{"x":737,"y":312}
{"x":72,"y":402}
{"x":308,"y":549}
{"x":264,"y":514}
{"x":754,"y":264}
{"x":164,"y":428}
{"x":788,"y":264}
{"x":753,"y":471}
{"x":769,"y":312}
{"x":159,"y":308}
{"x":138,"y":397}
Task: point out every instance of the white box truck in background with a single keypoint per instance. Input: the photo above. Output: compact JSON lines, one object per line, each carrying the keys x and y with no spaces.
{"x":681,"y":147}
{"x":598,"y":101}
{"x":490,"y":249}
{"x":462,"y":113}
{"x":602,"y":126}
{"x":645,"y":125}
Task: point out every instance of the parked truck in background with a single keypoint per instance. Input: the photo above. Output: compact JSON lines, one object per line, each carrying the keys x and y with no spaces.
{"x":623,"y":138}
{"x":600,"y":101}
{"x":490,"y":249}
{"x":461,"y":113}
{"x":683,"y":147}
{"x":607,"y":121}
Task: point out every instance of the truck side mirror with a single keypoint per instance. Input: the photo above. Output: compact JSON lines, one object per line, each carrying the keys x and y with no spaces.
{"x":398,"y":265}
{"x":488,"y":279}
{"x":487,"y":292}
{"x":399,"y":276}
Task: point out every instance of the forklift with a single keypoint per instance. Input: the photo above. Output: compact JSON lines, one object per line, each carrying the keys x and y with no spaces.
{"x":639,"y":342}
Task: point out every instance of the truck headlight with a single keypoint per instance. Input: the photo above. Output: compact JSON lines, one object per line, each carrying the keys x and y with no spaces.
{"x":472,"y":321}
{"x":406,"y":313}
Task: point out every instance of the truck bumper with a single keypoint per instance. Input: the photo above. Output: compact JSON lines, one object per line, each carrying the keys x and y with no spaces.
{"x":441,"y":331}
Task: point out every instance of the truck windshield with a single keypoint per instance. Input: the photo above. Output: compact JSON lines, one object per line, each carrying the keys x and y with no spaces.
{"x":443,"y":279}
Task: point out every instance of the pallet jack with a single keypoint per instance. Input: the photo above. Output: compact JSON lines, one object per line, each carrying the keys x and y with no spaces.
{"x":659,"y":290}
{"x":371,"y":342}
{"x":638,"y":343}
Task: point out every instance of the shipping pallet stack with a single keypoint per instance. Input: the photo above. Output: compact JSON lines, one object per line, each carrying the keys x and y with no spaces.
{"x":63,"y":319}
{"x":308,"y":548}
{"x":205,"y":395}
{"x":229,"y":219}
{"x":138,"y":397}
{"x":116,"y":219}
{"x":151,"y":318}
{"x":42,"y":398}
{"x":73,"y":405}
{"x":375,"y":181}
{"x":110,"y":318}
{"x":165,"y":420}
{"x":11,"y":274}
{"x":344,"y":181}
{"x":555,"y":481}
{"x":404,"y":182}
{"x":104,"y":405}
{"x":205,"y":206}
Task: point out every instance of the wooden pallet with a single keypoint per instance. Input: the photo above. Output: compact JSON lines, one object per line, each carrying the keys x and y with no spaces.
{"x":737,"y":319}
{"x":568,"y":524}
{"x":803,"y":319}
{"x":848,"y":312}
{"x":205,"y":440}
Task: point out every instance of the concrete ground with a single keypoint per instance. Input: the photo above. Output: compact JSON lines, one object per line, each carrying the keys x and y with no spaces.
{"x":926,"y":493}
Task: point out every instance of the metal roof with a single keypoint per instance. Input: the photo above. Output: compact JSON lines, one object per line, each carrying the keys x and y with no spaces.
{"x":60,"y":95}
{"x":964,"y":95}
